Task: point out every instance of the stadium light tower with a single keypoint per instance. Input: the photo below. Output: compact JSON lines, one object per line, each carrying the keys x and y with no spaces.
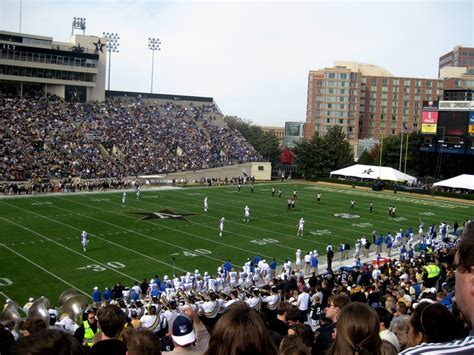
{"x":112,"y":47}
{"x":153,"y":44}
{"x":79,"y":23}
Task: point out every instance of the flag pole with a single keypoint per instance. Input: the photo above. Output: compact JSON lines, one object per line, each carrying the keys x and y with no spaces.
{"x":401,"y":151}
{"x":381,"y":150}
{"x":406,"y":156}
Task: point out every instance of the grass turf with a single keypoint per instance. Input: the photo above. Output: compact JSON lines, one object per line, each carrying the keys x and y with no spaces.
{"x":41,"y":253}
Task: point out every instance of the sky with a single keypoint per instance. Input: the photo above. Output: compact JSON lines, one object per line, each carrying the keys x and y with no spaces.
{"x":253,"y":57}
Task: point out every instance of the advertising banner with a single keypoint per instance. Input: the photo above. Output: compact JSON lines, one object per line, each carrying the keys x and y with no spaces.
{"x":428,"y":128}
{"x":429,"y":117}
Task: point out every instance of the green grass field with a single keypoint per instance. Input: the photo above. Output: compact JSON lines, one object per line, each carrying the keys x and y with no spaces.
{"x":41,"y":253}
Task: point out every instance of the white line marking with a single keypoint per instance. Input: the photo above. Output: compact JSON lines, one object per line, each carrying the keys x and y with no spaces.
{"x":45,"y":270}
{"x":72,"y":250}
{"x":96,"y":236}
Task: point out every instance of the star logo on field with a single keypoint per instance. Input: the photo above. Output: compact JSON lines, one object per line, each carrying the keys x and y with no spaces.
{"x":165,"y":214}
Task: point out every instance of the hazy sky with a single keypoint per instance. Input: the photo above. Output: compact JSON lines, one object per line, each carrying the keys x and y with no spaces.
{"x":253,"y":57}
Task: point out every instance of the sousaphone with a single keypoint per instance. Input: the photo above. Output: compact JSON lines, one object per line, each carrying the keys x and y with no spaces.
{"x":74,"y":307}
{"x":39,"y":309}
{"x":11,"y":314}
{"x":63,"y":297}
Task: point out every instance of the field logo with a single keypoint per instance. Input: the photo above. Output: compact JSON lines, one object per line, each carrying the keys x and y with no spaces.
{"x":165,"y":214}
{"x":320,"y":232}
{"x":346,"y":215}
{"x":362,"y":225}
{"x":398,"y":219}
{"x":427,"y":213}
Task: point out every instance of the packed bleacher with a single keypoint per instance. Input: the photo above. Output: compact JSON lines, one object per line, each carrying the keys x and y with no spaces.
{"x":44,"y":138}
{"x":419,"y":301}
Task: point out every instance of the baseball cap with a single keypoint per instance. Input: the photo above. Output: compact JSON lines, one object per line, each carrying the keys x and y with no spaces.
{"x":182,"y":331}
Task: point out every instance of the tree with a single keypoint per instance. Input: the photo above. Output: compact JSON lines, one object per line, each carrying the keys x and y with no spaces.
{"x":337,"y":149}
{"x":366,"y":158}
{"x":287,"y":156}
{"x":320,"y":156}
{"x":265,"y":143}
{"x":391,"y":153}
{"x":307,"y":156}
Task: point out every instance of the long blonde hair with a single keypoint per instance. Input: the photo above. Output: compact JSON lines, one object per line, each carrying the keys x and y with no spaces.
{"x":357,"y":331}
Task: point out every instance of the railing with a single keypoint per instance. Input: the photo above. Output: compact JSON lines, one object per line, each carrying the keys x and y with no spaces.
{"x":21,"y":56}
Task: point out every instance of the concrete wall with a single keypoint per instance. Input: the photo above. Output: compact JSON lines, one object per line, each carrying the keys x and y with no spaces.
{"x":262,"y":172}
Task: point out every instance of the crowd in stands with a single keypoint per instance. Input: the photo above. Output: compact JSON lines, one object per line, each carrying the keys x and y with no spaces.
{"x":423,"y":301}
{"x":48,"y":138}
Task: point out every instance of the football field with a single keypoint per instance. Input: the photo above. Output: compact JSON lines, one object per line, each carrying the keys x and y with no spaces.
{"x":166,"y":231}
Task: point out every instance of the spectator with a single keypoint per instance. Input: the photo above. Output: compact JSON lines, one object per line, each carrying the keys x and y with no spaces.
{"x":293,"y":345}
{"x":111,"y":320}
{"x":142,"y":342}
{"x":424,"y":325}
{"x":240,"y":330}
{"x":88,"y":329}
{"x":188,"y":333}
{"x":334,"y":307}
{"x":47,"y":341}
{"x":385,"y":317}
{"x":357,"y":331}
{"x":464,"y":258}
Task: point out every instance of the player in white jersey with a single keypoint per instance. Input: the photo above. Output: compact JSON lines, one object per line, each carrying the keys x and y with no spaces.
{"x":124,"y":199}
{"x":137,"y":192}
{"x":206,"y":206}
{"x":221,"y":226}
{"x":246,"y":214}
{"x":300,"y":226}
{"x":298,"y":260}
{"x":84,"y":240}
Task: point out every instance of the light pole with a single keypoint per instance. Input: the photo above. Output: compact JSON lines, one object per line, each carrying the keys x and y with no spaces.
{"x":112,"y":47}
{"x":154,"y":45}
{"x":79,"y":23}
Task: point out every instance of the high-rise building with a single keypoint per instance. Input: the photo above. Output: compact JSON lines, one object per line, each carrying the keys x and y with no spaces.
{"x":458,"y":57}
{"x":294,"y":132}
{"x":456,"y":68}
{"x":366,"y":100}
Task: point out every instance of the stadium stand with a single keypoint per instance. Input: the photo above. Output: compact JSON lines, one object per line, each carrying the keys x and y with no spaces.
{"x":44,"y":138}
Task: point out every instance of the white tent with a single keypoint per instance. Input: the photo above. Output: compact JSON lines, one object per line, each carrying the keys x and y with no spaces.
{"x":374,"y":172}
{"x":463,"y":181}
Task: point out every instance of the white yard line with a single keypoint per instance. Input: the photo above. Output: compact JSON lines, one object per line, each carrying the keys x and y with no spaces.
{"x":158,"y":240}
{"x":45,"y":270}
{"x":96,"y":236}
{"x":71,"y":250}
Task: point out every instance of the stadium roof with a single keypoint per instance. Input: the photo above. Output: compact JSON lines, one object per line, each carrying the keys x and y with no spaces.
{"x":374,"y":172}
{"x":463,"y":181}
